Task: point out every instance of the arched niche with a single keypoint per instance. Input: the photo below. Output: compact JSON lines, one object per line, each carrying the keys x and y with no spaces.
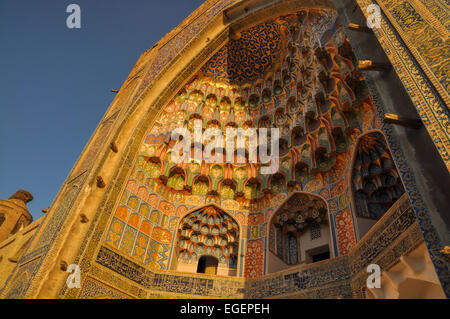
{"x":375,"y":181}
{"x":299,"y":233}
{"x":207,"y":231}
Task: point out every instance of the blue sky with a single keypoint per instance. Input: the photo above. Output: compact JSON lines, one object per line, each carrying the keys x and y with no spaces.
{"x":55,"y":82}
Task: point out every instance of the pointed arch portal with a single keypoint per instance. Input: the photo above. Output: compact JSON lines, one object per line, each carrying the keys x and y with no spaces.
{"x":207,"y":242}
{"x":375,"y":181}
{"x":299,"y":232}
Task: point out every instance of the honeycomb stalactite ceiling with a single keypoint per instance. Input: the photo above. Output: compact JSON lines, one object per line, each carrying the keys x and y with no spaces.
{"x":208,"y":231}
{"x":276,"y":75}
{"x":299,"y":212}
{"x":298,"y":75}
{"x":376,"y":182}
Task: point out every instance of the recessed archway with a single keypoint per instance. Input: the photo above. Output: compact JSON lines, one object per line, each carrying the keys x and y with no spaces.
{"x":207,"y":242}
{"x":299,"y":232}
{"x":375,"y":181}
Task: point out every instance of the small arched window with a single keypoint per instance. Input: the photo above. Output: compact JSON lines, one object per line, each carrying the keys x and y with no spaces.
{"x":293,"y":249}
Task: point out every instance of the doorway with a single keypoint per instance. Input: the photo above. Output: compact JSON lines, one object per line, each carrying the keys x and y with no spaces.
{"x":207,"y":265}
{"x":317,"y":254}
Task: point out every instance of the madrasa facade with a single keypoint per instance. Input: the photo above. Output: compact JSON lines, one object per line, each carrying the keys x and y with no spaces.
{"x":358,"y":91}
